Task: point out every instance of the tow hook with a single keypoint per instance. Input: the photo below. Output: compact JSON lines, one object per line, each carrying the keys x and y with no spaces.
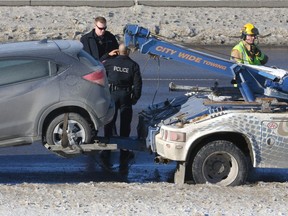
{"x":64,"y":139}
{"x":161,"y":160}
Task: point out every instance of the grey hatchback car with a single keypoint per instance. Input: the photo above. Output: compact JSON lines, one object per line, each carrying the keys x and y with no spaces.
{"x":44,"y":82}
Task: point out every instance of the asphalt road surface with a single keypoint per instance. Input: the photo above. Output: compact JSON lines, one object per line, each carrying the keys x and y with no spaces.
{"x":35,"y":164}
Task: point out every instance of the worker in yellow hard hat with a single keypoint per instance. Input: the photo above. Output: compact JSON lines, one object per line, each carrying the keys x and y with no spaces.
{"x":246,"y":51}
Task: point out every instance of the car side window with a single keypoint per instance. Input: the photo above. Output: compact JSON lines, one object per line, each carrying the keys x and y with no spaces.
{"x":19,"y":70}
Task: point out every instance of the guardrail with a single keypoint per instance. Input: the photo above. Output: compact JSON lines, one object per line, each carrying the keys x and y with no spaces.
{"x":156,"y":3}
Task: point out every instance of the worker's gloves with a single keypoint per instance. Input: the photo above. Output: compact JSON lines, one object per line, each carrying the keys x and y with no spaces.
{"x":254,"y":50}
{"x":133,"y":101}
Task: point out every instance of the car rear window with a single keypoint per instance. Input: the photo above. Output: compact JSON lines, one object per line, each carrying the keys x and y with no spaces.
{"x":19,"y":70}
{"x":87,"y":59}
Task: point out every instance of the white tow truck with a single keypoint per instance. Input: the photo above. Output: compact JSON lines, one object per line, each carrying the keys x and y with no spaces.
{"x":215,"y":135}
{"x":217,"y":139}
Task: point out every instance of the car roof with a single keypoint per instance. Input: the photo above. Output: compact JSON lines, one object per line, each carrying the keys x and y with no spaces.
{"x":37,"y":47}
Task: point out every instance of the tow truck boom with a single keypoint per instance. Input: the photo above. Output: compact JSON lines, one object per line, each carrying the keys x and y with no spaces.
{"x":252,"y":81}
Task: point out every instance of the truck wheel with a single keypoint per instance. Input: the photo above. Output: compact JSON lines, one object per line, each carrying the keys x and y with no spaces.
{"x":78,"y":130}
{"x":220,"y":162}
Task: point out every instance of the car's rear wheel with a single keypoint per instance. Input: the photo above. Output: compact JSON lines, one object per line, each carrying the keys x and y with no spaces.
{"x":220,"y":162}
{"x":78,"y":130}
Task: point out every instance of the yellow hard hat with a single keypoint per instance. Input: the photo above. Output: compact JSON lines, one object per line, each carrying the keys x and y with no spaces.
{"x":249,"y":29}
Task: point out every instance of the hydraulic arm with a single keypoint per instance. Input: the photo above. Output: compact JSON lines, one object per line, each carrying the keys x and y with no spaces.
{"x":252,"y":81}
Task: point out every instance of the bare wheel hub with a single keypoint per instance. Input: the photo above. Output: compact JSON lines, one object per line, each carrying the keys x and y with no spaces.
{"x":217,"y":166}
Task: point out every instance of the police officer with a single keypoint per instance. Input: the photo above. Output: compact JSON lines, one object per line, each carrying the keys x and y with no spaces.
{"x":125,"y":83}
{"x":247,"y":51}
{"x":100,"y":43}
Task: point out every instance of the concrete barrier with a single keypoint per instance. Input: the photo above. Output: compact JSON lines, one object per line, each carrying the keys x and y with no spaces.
{"x":156,"y":3}
{"x":92,"y":3}
{"x":215,"y":3}
{"x":14,"y":3}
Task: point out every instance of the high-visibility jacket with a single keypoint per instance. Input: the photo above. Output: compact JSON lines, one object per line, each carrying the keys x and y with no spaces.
{"x":245,"y":57}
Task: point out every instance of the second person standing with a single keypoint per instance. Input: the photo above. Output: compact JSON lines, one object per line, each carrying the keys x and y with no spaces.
{"x":99,"y":42}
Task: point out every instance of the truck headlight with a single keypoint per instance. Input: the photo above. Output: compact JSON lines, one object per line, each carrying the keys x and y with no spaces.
{"x":172,"y":135}
{"x":177,"y":136}
{"x":163,"y":134}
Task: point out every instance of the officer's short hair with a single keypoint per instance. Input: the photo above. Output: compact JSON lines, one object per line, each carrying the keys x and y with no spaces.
{"x":123,"y":50}
{"x":100,"y":19}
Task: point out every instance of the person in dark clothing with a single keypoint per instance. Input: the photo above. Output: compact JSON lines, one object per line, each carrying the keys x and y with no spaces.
{"x":101,"y":44}
{"x":125,"y":83}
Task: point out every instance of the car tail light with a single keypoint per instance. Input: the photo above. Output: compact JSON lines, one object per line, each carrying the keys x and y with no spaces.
{"x":96,"y":77}
{"x":177,"y":136}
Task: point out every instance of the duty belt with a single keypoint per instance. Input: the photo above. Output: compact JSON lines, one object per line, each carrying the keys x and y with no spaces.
{"x":118,"y":88}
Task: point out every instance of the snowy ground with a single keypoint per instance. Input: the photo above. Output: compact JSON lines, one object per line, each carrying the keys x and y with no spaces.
{"x":213,"y":26}
{"x":99,"y":198}
{"x":199,"y":26}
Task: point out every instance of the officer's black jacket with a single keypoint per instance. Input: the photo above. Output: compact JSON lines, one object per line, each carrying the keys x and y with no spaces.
{"x":99,"y":47}
{"x":122,"y":71}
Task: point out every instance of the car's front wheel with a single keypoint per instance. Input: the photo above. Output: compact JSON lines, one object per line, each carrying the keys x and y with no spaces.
{"x":220,"y":162}
{"x":77,"y":130}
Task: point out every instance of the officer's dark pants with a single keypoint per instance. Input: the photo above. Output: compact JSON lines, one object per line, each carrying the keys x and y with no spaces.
{"x":122,"y":99}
